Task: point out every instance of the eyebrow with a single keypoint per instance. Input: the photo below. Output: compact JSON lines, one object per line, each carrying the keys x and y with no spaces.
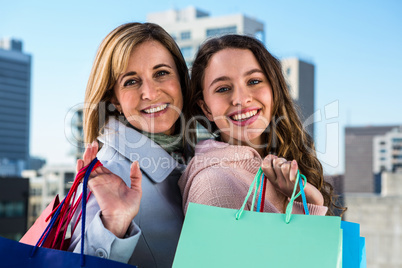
{"x":127,"y":74}
{"x":253,"y":71}
{"x":226,"y":78}
{"x":162,"y":65}
{"x":218,"y":79}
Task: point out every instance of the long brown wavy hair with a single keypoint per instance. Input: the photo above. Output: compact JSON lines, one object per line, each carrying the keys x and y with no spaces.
{"x":285,"y":136}
{"x":111,"y":60}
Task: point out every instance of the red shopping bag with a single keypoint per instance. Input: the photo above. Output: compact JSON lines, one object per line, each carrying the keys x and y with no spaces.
{"x":32,"y":236}
{"x":56,"y":235}
{"x":17,"y":254}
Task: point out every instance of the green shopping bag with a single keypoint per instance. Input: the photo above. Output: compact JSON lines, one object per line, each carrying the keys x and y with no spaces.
{"x":221,"y":237}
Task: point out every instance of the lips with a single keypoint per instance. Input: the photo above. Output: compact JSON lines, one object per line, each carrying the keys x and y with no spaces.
{"x":245,"y":116}
{"x":155,"y":109}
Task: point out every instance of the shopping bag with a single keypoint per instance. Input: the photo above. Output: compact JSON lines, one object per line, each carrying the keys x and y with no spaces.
{"x":58,"y":218}
{"x":353,"y":251}
{"x":17,"y":254}
{"x":221,"y":237}
{"x":34,"y":233}
{"x":362,"y":258}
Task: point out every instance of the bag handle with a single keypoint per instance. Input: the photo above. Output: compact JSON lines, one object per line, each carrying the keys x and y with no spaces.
{"x":55,"y":214}
{"x":84,"y":205}
{"x":256,"y":182}
{"x":289,"y":207}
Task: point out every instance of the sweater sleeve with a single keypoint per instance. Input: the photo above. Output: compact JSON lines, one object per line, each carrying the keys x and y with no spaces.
{"x":313,"y":209}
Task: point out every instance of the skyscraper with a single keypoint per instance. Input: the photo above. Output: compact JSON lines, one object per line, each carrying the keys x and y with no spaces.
{"x":387,"y":152}
{"x":299,"y":77}
{"x":15,"y":99}
{"x":359,"y":177}
{"x":190,"y":27}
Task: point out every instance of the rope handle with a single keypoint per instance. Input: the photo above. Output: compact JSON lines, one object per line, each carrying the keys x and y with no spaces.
{"x":289,"y":207}
{"x":257,"y":181}
{"x":59,"y":213}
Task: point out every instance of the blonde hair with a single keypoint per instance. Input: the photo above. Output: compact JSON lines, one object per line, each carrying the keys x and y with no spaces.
{"x":111,"y":60}
{"x":285,"y":136}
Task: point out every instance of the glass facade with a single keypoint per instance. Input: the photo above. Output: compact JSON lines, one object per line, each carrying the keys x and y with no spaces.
{"x":221,"y":31}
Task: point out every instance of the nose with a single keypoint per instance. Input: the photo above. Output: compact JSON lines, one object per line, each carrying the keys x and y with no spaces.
{"x":149,"y":91}
{"x":241,"y":96}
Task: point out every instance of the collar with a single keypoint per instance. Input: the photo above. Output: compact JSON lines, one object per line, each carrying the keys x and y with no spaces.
{"x":133,"y":145}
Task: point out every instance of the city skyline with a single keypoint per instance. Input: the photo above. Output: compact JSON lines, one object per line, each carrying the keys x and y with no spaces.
{"x":355,"y":48}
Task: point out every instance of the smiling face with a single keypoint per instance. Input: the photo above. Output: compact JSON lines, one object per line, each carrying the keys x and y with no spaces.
{"x":237,"y":96}
{"x":148,"y":92}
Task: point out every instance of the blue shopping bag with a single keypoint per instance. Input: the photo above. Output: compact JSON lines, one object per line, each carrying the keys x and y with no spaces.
{"x":353,"y":250}
{"x":16,"y":254}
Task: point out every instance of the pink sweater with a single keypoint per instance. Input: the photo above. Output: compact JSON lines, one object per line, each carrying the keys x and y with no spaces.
{"x":220,"y":175}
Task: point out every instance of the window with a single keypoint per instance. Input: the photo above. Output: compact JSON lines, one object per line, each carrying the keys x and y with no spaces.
{"x":383,"y":151}
{"x":221,"y":31}
{"x":288,"y":71}
{"x":185,"y":35}
{"x":187,"y":52}
{"x":12,"y":209}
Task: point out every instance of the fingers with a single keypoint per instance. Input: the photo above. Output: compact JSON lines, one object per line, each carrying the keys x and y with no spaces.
{"x":80,"y":165}
{"x":279,"y":171}
{"x":267,"y":167}
{"x":293,"y":171}
{"x":277,"y":164}
{"x":90,"y":152}
{"x":135,"y":176}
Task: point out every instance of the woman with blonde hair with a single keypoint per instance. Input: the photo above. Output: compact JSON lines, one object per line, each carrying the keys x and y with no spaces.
{"x":133,"y":101}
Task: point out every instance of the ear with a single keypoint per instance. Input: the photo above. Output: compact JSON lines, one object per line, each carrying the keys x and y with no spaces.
{"x":116,"y":103}
{"x":205,"y":110}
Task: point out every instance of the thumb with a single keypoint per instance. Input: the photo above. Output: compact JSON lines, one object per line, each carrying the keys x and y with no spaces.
{"x":293,"y":171}
{"x":135,"y":176}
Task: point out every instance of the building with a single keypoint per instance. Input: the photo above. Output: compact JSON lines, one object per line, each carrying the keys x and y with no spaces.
{"x":14,"y":193}
{"x":299,"y":77}
{"x":380,"y":219}
{"x":359,"y":177}
{"x":77,"y":131}
{"x":190,"y":27}
{"x":44,"y":185}
{"x":15,"y":103}
{"x":387,"y":151}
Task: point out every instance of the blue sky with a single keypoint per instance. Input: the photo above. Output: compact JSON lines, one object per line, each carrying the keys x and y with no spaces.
{"x":354,"y":45}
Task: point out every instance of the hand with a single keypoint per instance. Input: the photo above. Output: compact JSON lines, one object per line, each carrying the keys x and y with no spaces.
{"x":119,"y":203}
{"x":282,"y":174}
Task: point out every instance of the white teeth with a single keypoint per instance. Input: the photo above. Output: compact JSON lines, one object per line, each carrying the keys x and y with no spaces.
{"x":156,"y":109}
{"x":238,"y":117}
